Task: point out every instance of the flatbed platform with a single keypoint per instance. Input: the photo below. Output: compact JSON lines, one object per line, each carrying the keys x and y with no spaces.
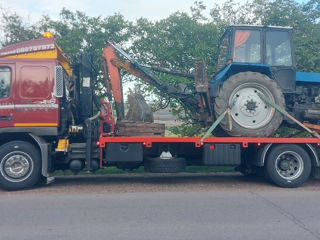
{"x":147,"y":141}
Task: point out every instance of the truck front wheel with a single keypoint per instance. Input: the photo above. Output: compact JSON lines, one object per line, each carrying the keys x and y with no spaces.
{"x":20,"y":165}
{"x":251,"y":116}
{"x":288,"y":165}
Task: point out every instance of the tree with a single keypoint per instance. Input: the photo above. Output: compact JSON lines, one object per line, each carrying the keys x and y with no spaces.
{"x":15,"y":30}
{"x":176,"y":42}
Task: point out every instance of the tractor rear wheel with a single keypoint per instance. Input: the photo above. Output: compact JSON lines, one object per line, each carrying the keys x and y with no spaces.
{"x":251,"y":116}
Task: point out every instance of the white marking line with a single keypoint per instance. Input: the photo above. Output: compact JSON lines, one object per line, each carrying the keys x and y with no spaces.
{"x":29,"y":106}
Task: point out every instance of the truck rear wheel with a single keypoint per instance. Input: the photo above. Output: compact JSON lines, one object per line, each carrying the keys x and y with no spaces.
{"x":251,"y":116}
{"x":20,"y":165}
{"x":288,"y":165}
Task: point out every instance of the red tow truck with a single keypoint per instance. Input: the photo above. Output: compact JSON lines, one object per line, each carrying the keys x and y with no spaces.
{"x":47,"y":123}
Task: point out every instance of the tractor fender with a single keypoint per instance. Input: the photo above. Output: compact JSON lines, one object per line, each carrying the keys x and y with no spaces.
{"x":234,"y":68}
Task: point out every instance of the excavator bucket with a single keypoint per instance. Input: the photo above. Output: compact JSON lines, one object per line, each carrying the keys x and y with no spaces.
{"x":139,"y":110}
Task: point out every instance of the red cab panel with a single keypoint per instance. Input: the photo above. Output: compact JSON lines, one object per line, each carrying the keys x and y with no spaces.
{"x":26,"y":94}
{"x":35,"y":104}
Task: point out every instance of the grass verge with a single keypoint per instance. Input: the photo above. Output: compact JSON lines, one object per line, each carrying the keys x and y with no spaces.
{"x":140,"y":170}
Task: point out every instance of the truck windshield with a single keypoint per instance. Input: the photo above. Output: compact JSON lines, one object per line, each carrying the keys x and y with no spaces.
{"x":278,"y":48}
{"x":247,"y":46}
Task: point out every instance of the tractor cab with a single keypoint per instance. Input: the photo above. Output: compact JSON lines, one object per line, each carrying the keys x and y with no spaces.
{"x":267,"y":50}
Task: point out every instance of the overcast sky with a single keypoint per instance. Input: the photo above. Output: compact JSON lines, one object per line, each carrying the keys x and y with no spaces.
{"x":131,"y":9}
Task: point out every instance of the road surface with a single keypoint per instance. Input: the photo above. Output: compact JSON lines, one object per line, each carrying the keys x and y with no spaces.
{"x":184,"y":206}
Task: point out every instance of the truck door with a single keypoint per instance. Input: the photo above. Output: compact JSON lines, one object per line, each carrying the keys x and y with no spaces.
{"x":7,"y":77}
{"x":35,"y":104}
{"x":279,"y":56}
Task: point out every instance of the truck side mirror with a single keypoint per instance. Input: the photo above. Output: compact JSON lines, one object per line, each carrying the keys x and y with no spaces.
{"x":58,"y":81}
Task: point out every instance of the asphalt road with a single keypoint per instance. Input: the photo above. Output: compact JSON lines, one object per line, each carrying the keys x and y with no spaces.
{"x":186,"y":206}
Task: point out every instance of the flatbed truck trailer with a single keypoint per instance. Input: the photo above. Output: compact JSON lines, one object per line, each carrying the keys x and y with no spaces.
{"x":48,"y":124}
{"x":288,"y":162}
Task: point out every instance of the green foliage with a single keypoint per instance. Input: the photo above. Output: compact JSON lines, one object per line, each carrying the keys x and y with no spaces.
{"x":187,"y":129}
{"x":77,"y":33}
{"x":175,"y":42}
{"x":101,"y":171}
{"x":291,"y":132}
{"x":74,"y":32}
{"x":14,"y":30}
{"x":208,"y":169}
{"x":140,"y":170}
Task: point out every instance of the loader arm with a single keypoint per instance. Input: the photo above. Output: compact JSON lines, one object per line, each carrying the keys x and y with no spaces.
{"x":113,"y":64}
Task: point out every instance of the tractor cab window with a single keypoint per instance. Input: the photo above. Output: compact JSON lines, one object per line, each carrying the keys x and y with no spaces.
{"x":223,"y":54}
{"x":278,"y":48}
{"x":247,"y":46}
{"x":5,"y":78}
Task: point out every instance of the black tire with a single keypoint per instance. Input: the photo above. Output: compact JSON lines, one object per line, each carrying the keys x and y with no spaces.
{"x":158,"y":165}
{"x":288,"y":165}
{"x":251,"y":117}
{"x":20,"y":165}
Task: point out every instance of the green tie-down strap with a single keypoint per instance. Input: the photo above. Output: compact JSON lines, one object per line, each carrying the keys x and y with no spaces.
{"x":285,"y":113}
{"x":216,"y":123}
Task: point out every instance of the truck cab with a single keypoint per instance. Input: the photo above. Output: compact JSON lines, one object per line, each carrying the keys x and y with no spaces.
{"x":30,"y":93}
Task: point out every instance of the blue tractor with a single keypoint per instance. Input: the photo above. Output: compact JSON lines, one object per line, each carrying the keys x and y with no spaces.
{"x":257,"y":60}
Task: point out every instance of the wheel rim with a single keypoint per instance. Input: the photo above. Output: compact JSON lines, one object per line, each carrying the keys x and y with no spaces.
{"x":248,"y":109}
{"x":16,"y":166}
{"x":289,"y":165}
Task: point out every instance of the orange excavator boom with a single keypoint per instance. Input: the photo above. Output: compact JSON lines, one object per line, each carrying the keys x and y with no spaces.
{"x":113,"y":80}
